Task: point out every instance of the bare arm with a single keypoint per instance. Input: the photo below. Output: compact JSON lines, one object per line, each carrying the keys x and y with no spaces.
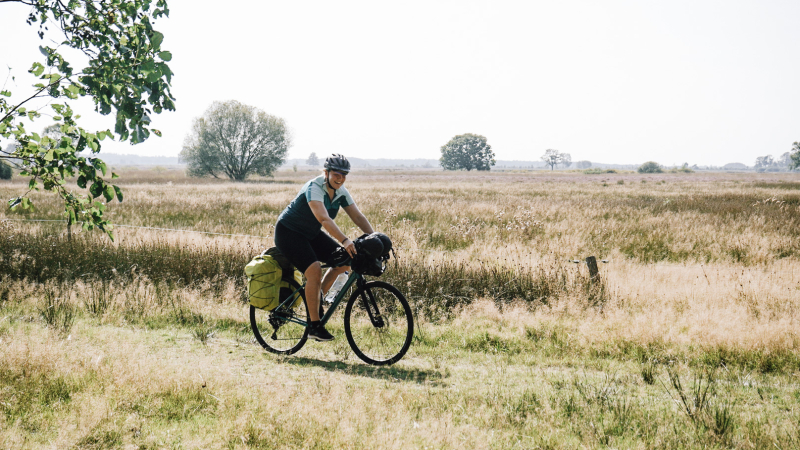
{"x":358,"y":218}
{"x":330,"y":226}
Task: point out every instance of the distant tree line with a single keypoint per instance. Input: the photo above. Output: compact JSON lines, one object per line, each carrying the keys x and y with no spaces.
{"x":787,"y":161}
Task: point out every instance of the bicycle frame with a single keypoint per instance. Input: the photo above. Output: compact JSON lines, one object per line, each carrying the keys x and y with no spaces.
{"x":353,"y":278}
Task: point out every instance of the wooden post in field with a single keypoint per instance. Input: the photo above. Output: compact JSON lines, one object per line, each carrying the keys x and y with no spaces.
{"x":594,"y":273}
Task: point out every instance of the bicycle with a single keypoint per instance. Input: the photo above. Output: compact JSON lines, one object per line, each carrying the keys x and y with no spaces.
{"x":377,"y":321}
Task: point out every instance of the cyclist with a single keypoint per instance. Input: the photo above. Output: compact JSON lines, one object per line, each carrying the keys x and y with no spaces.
{"x":299,"y":236}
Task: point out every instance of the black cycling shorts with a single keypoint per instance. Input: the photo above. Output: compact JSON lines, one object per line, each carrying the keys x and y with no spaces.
{"x":301,"y":251}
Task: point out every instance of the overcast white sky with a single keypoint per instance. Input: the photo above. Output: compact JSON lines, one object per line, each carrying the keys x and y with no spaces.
{"x":703,"y":82}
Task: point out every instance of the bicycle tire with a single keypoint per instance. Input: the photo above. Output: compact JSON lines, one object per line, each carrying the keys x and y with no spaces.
{"x":289,"y":337}
{"x":387,"y":341}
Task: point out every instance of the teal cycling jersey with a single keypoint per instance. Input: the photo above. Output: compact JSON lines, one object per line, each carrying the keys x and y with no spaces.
{"x":298,"y":215}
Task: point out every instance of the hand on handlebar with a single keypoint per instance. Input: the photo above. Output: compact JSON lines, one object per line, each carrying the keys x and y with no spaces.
{"x":349,"y":247}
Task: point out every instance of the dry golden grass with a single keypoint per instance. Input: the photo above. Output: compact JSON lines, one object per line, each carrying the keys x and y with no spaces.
{"x":701,"y":279}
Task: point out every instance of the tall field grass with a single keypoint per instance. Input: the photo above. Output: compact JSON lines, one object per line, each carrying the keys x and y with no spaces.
{"x":690,"y":339}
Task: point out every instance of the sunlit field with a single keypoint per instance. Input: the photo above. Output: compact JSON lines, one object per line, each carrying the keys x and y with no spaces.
{"x":690,"y":337}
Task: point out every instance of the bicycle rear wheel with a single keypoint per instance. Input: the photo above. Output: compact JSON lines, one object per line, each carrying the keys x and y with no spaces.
{"x":378,"y":323}
{"x":275,"y":332}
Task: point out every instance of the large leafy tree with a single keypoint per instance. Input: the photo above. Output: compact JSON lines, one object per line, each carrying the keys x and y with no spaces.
{"x":650,"y":167}
{"x":466,"y":152}
{"x":126,"y":74}
{"x":236,"y":140}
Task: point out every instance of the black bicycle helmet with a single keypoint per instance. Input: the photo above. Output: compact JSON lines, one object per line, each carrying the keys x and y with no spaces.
{"x":338,"y":163}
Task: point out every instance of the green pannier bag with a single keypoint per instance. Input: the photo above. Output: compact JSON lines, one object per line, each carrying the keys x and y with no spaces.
{"x":268,"y":282}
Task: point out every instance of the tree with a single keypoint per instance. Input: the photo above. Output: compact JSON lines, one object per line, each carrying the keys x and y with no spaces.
{"x":312,"y":159}
{"x":785,"y":160}
{"x":650,"y":167}
{"x":236,"y":140}
{"x":583,"y":164}
{"x":566,"y":160}
{"x":126,"y":73}
{"x":554,"y":157}
{"x":763,"y":162}
{"x":795,"y":156}
{"x":467,"y":151}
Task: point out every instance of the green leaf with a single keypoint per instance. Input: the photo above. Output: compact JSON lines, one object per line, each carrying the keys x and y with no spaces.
{"x":5,"y":93}
{"x":119,"y":193}
{"x":97,"y":189}
{"x":37,"y":69}
{"x":114,"y":175}
{"x":156,"y":39}
{"x":82,"y":182}
{"x":100,"y":165}
{"x":49,"y":155}
{"x":166,"y":56}
{"x":108,"y":193}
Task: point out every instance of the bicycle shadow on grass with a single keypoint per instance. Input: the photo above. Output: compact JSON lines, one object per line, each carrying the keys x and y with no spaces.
{"x":388,"y":373}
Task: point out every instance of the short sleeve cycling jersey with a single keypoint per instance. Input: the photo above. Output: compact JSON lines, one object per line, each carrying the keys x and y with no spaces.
{"x":298,"y":215}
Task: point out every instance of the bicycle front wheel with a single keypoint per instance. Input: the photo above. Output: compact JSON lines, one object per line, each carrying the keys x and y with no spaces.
{"x":277,"y":330}
{"x":378,"y":323}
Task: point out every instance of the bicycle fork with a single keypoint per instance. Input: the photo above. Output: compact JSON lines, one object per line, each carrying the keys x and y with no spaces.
{"x":368,"y":300}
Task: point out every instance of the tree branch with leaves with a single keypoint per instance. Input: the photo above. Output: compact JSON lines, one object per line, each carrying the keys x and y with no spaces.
{"x":126,"y":74}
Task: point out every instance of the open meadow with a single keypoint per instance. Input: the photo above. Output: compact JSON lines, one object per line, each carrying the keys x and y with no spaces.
{"x":689,"y":339}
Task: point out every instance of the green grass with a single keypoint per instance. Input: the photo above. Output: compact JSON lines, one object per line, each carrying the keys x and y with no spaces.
{"x":539,"y":386}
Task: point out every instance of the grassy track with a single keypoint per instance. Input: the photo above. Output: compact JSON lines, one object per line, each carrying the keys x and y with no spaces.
{"x":691,"y":339}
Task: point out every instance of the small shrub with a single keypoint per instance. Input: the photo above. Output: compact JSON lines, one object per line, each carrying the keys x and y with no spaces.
{"x":98,"y":298}
{"x":100,"y":439}
{"x":649,"y":373}
{"x":57,"y":312}
{"x":598,"y":171}
{"x":694,"y":401}
{"x":203,"y":333}
{"x":722,"y":422}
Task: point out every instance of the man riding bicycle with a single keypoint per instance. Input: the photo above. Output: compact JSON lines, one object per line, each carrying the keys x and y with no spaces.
{"x":299,"y":236}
